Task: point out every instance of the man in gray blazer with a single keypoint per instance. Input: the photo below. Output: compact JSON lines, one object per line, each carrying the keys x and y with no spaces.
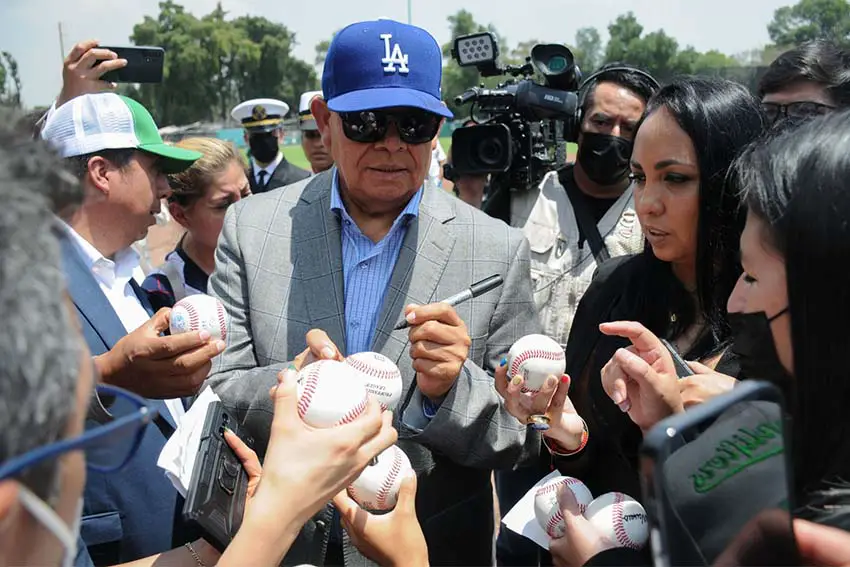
{"x":355,"y":249}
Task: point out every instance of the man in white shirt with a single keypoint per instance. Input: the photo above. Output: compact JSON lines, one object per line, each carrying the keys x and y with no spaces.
{"x":113,"y":145}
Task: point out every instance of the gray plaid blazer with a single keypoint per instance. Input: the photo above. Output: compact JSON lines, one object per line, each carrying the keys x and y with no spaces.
{"x":279,"y":274}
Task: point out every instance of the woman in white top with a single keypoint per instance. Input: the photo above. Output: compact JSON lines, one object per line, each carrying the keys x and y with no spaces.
{"x":200,"y":198}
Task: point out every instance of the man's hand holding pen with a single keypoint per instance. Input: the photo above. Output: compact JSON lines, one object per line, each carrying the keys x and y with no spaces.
{"x":439,"y":340}
{"x":439,"y":345}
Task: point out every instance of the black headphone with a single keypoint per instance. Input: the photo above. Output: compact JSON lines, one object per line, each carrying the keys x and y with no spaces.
{"x":587,"y":83}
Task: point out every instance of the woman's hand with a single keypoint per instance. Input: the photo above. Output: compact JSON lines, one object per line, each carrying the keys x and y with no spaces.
{"x":581,"y":540}
{"x":523,"y":405}
{"x":565,"y":427}
{"x":641,"y":379}
{"x":394,"y":539}
{"x":704,"y":385}
{"x":304,"y":468}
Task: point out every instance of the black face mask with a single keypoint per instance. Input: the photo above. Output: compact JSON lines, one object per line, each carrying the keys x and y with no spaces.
{"x":604,"y":158}
{"x":264,"y":147}
{"x":754,"y":346}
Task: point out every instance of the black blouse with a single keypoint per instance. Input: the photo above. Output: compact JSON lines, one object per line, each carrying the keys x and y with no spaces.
{"x":610,"y":459}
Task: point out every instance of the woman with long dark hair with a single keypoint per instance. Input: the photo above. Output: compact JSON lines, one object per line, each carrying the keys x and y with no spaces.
{"x":787,"y":312}
{"x":691,"y":132}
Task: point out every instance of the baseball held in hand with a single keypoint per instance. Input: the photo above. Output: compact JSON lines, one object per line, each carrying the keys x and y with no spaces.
{"x":547,"y":510}
{"x":199,"y":312}
{"x":379,"y":375}
{"x":620,"y":518}
{"x":329,"y":394}
{"x":377,"y":486}
{"x":535,"y":358}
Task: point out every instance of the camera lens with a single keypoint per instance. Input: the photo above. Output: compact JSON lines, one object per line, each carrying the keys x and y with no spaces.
{"x":491,"y":152}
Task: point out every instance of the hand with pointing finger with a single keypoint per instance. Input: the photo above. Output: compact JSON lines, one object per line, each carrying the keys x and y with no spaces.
{"x":439,"y":345}
{"x":641,"y":379}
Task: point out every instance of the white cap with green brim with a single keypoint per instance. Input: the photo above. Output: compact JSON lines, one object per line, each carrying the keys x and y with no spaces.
{"x":106,"y":121}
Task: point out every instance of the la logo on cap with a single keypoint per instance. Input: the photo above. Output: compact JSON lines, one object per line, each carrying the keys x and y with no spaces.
{"x":393,"y":56}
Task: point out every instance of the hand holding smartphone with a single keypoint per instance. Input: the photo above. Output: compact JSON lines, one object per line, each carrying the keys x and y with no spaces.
{"x":682,"y":368}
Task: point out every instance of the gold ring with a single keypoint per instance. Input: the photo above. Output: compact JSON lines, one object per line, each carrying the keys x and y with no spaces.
{"x":538,"y":420}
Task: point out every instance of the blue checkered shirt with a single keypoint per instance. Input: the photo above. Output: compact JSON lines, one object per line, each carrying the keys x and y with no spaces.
{"x":367,"y":267}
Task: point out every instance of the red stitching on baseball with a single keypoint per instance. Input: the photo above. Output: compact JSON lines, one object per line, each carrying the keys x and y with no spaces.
{"x":311,"y":382}
{"x":354,"y":412}
{"x":553,"y":523}
{"x":361,"y":366}
{"x":619,"y":528}
{"x":384,"y":492}
{"x":193,"y":316}
{"x":219,"y":308}
{"x":547,"y":488}
{"x":534,"y":353}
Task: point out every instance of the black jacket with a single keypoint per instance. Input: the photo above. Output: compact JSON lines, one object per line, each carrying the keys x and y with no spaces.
{"x":284,"y":174}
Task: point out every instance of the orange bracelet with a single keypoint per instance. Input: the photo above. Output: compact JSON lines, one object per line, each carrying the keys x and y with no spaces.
{"x":557,"y":450}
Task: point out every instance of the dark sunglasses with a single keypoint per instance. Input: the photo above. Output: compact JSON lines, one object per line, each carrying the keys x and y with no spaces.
{"x":800,"y":109}
{"x":369,"y":126}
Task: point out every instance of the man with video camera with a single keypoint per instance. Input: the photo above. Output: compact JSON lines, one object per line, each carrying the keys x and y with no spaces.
{"x":577,"y":217}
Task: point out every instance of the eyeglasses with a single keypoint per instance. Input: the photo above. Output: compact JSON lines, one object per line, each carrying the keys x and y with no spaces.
{"x":369,"y":126}
{"x":108,"y":446}
{"x":800,"y":109}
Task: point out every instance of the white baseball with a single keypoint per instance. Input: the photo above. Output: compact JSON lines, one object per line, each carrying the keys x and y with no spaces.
{"x":329,"y":394}
{"x":546,"y":507}
{"x":535,"y":358}
{"x":199,"y":312}
{"x":380,"y":376}
{"x":377,"y":486}
{"x":620,"y":518}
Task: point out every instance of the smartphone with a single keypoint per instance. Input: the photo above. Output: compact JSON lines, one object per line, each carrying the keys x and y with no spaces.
{"x":682,"y":368}
{"x":215,"y":501}
{"x":144,"y":65}
{"x":709,"y":473}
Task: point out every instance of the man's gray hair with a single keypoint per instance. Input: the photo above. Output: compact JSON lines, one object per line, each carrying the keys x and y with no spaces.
{"x":39,"y":345}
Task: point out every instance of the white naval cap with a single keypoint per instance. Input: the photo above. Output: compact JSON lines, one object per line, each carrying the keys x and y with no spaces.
{"x":260,"y":114}
{"x":305,"y":115}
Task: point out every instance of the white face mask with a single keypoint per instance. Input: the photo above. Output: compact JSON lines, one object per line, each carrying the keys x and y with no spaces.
{"x":54,"y":524}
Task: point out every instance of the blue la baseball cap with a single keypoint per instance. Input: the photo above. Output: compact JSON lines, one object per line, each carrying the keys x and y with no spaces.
{"x":382,"y":64}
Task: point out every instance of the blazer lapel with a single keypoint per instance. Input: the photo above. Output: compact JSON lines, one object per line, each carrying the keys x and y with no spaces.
{"x":318,"y":265}
{"x":87,"y":296}
{"x":423,"y":257}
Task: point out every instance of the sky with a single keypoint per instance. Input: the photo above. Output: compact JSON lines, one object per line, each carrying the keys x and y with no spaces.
{"x":29,"y":28}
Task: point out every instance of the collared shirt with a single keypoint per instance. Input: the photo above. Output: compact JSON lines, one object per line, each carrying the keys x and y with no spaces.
{"x":269,"y":169}
{"x":113,"y":277}
{"x":367,"y":267}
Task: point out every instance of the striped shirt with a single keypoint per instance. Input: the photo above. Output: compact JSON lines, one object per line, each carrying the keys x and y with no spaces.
{"x":367,"y":267}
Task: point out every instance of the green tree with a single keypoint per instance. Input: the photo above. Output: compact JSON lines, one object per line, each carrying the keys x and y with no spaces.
{"x":588,"y":49}
{"x":811,"y":19}
{"x":10,"y":80}
{"x":623,"y":32}
{"x":212,"y":63}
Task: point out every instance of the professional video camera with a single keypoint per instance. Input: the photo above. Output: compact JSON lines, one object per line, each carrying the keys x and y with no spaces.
{"x":527,"y":125}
